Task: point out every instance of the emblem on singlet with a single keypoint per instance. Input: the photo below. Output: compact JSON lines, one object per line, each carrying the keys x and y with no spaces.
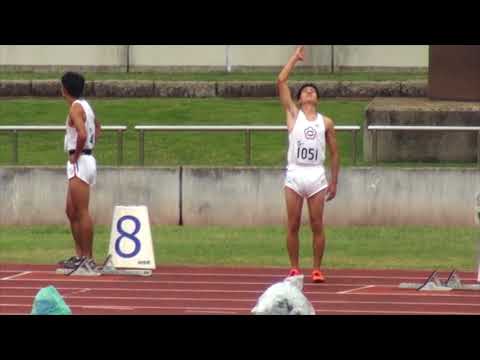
{"x":310,"y":133}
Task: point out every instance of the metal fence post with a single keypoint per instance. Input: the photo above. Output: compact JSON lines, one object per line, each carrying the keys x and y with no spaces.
{"x":478,"y":148}
{"x":248,"y":148}
{"x":119,"y":147}
{"x":141,"y":148}
{"x":15,"y":146}
{"x":354,"y":139}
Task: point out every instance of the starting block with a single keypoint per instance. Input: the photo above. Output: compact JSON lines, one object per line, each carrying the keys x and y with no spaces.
{"x":109,"y":269}
{"x":106,"y":269}
{"x":434,"y":283}
{"x":83,"y":269}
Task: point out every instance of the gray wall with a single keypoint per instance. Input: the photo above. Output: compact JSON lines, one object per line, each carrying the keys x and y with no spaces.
{"x":245,"y":196}
{"x":421,"y":145}
{"x":55,"y":57}
{"x":386,"y":57}
{"x":37,"y":195}
{"x":209,"y":57}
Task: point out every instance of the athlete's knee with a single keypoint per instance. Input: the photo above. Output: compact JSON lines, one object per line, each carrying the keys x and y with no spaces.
{"x":71,"y":213}
{"x":83,"y":214}
{"x":294,"y":227}
{"x":317,"y":225}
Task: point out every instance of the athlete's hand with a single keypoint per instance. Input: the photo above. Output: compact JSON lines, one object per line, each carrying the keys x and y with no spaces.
{"x":73,"y":159}
{"x":300,"y":53}
{"x":331,"y":191}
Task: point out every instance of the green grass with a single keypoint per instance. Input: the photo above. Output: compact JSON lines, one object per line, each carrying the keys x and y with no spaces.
{"x":219,"y":149}
{"x":186,"y":148}
{"x":424,"y":248}
{"x":223,"y":76}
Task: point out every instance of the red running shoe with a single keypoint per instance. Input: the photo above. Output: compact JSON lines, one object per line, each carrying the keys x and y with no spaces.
{"x":294,"y":272}
{"x":317,"y":276}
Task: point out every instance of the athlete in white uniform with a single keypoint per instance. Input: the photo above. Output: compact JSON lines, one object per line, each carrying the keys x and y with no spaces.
{"x":85,"y":168}
{"x":82,"y":131}
{"x":309,"y":133}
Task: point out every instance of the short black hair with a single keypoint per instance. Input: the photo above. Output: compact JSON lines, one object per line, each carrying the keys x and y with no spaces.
{"x":305,"y":86}
{"x":74,"y":83}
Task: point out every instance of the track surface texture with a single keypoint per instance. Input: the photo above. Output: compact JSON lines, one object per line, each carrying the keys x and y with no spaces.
{"x":201,"y":290}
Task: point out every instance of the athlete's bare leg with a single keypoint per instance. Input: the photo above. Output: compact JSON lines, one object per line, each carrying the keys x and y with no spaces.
{"x":316,"y":205}
{"x":74,"y":223}
{"x":80,"y":196}
{"x":294,"y":213}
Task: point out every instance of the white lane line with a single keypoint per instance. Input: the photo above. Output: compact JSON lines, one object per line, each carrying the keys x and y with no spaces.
{"x":71,"y":279}
{"x":16,"y":275}
{"x":394,"y":312}
{"x":14,"y":314}
{"x":216,"y":274}
{"x":308,"y":287}
{"x":129,"y":290}
{"x":356,"y":289}
{"x":181,"y":308}
{"x":181,"y":299}
{"x":394,"y":292}
{"x":77,"y":291}
{"x":106,"y":279}
{"x":76,"y":297}
{"x":247,"y":310}
{"x":210,"y":312}
{"x":105,"y":307}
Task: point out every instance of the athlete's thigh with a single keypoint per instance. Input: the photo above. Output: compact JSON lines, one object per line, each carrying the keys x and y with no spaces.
{"x":69,"y":206}
{"x":294,"y":204}
{"x":79,"y":192}
{"x":316,"y":205}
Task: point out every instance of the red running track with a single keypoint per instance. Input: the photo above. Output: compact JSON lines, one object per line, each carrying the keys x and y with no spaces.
{"x":230,"y":291}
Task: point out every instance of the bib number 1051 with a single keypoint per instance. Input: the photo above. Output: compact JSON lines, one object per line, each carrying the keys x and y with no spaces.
{"x":307,"y":154}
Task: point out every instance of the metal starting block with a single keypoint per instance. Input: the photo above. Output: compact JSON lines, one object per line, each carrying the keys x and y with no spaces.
{"x":109,"y":269}
{"x":434,"y":283}
{"x":84,"y":269}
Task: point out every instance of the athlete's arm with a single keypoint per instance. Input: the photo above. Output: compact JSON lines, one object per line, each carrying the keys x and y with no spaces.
{"x":283,"y":89}
{"x":334,"y":158}
{"x":78,"y":122}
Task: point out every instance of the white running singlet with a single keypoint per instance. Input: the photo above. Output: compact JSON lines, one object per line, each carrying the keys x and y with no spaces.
{"x":71,"y":133}
{"x":86,"y":167}
{"x":306,"y":156}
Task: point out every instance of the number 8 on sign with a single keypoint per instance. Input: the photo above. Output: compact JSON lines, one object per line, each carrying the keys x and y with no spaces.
{"x":130,"y":236}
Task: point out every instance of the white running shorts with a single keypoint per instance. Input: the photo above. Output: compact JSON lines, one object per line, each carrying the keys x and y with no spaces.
{"x":85,"y":169}
{"x":306,"y":182}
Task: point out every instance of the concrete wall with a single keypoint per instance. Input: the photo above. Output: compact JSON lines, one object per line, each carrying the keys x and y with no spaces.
{"x":421,"y":145}
{"x":214,"y":57}
{"x":155,"y":57}
{"x":358,"y":57}
{"x":366,"y":196}
{"x":55,"y":57}
{"x":245,"y":196}
{"x":209,"y":57}
{"x":37,"y":195}
{"x":318,"y":56}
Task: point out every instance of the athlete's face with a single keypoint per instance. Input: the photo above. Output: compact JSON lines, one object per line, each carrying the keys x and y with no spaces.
{"x":308,"y":95}
{"x":64,"y":92}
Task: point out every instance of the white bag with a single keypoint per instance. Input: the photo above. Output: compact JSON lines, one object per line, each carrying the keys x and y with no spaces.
{"x":284,"y":298}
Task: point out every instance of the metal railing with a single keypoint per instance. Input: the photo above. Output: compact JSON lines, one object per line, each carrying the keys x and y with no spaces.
{"x":16,"y":129}
{"x":376,"y":128}
{"x":247,"y":129}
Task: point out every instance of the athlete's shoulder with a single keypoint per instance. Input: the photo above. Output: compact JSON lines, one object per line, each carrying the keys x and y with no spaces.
{"x":76,"y":109}
{"x":328,"y":122}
